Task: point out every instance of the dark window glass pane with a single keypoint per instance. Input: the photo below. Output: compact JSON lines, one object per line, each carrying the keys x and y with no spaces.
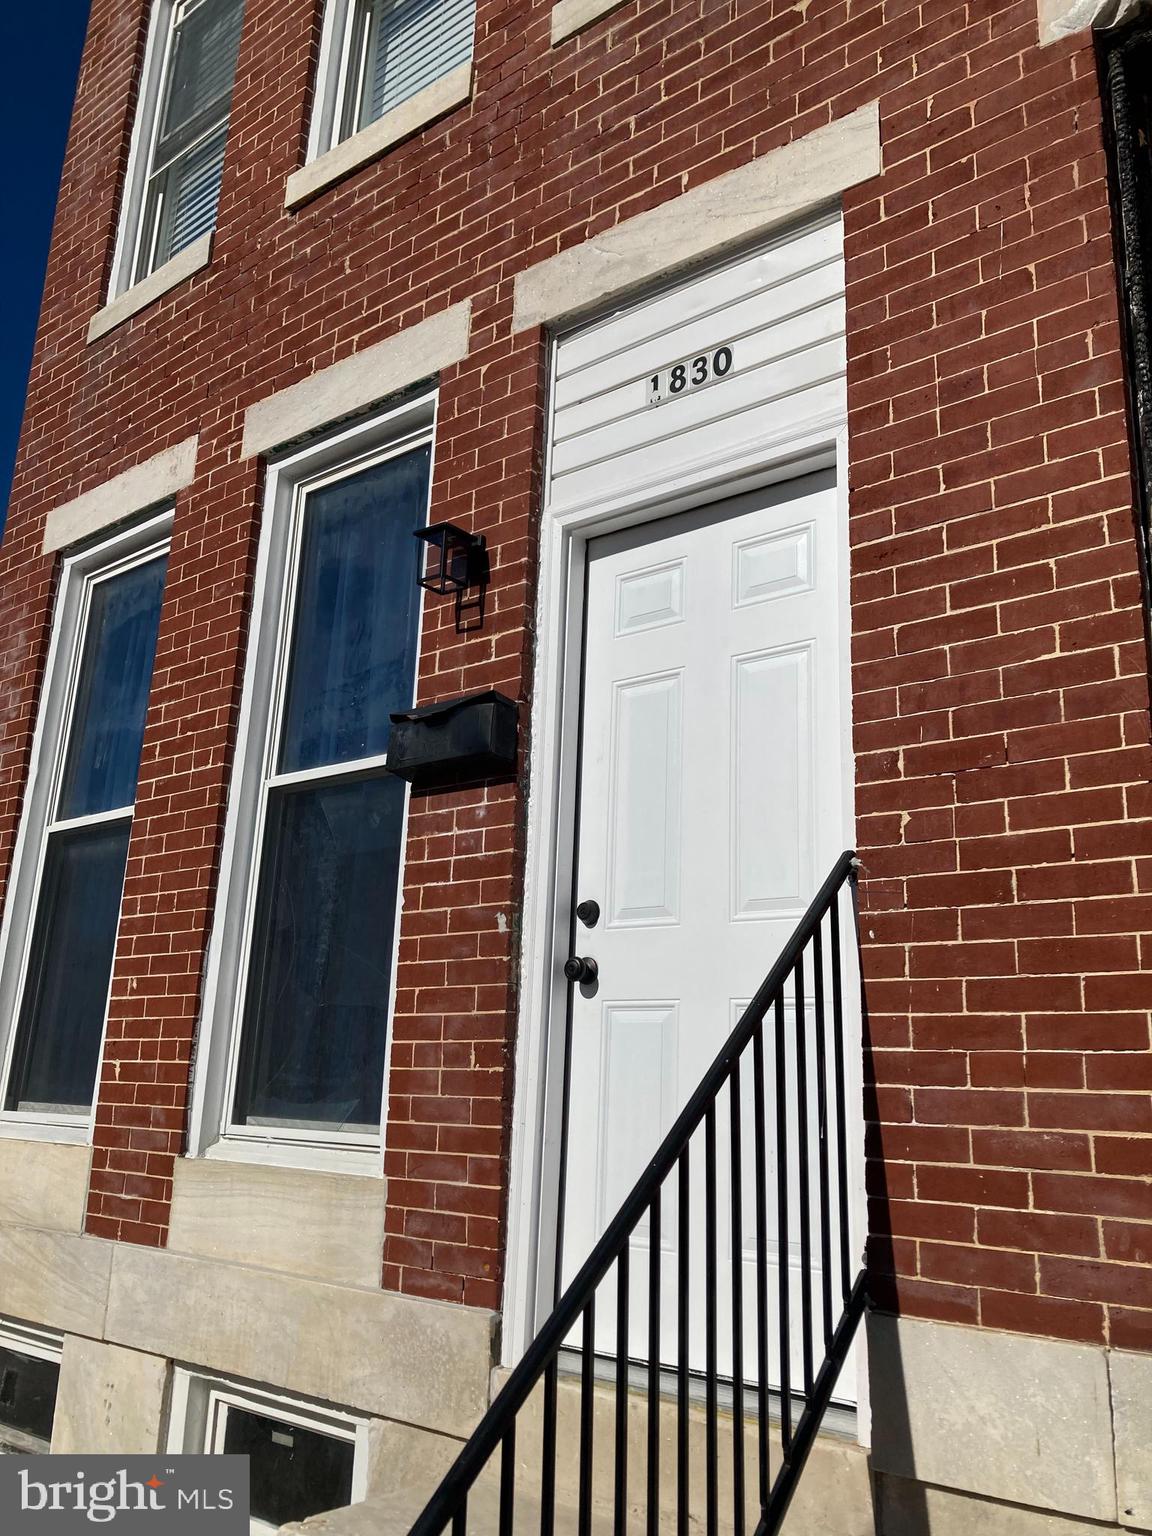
{"x":115,"y":673}
{"x":293,"y":1472}
{"x":316,"y":1019}
{"x":27,"y":1397}
{"x":354,"y":645}
{"x":66,"y":992}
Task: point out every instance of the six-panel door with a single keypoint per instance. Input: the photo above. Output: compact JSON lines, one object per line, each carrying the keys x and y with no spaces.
{"x":713,"y":799}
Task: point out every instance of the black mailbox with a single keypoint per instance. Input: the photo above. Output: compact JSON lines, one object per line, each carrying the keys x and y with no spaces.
{"x":458,"y":742}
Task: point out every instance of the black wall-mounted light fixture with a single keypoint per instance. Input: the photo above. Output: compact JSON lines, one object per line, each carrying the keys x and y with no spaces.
{"x":450,"y":559}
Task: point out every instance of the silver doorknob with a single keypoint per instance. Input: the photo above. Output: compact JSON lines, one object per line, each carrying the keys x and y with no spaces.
{"x":578,"y":968}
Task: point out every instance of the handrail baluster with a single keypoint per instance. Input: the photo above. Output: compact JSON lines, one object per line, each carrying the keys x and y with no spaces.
{"x":666,"y":1182}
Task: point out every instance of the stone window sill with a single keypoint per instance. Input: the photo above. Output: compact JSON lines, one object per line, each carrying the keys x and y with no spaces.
{"x":193,"y":258}
{"x":450,"y":91}
{"x":572,"y":16}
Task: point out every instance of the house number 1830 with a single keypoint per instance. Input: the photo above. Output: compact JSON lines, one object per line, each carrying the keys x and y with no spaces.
{"x":706,"y":368}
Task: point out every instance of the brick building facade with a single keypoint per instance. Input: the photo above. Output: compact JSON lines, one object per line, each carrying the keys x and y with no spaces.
{"x":999,"y":682}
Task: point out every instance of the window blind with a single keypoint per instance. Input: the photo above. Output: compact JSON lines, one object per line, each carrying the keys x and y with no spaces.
{"x":193,"y":192}
{"x":204,"y":48}
{"x":188,"y":154}
{"x":411,"y":44}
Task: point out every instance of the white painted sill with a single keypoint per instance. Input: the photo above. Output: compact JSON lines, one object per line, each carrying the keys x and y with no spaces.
{"x":451,"y":90}
{"x":79,"y":1135}
{"x":358,"y":1162}
{"x":193,"y":258}
{"x":572,"y":16}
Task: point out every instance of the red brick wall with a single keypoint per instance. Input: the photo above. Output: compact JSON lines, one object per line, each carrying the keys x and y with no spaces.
{"x":1001,"y":702}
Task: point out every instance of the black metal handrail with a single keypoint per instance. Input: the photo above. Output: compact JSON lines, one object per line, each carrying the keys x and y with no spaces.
{"x":801,"y":1037}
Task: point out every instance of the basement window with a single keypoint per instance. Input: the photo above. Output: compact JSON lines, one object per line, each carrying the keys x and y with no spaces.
{"x":302,"y":1459}
{"x":180,"y":134}
{"x":60,"y":931}
{"x":29,"y":1376}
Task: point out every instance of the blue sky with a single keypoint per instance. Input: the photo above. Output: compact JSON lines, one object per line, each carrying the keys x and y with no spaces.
{"x":40,"y":45}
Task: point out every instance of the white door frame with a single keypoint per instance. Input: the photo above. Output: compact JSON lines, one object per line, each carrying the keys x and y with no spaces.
{"x":533,"y":1202}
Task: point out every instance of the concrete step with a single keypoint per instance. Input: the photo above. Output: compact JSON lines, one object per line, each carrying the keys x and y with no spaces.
{"x":834,"y":1496}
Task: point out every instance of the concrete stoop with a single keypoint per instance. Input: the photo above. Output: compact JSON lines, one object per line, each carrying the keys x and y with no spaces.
{"x":834,"y":1496}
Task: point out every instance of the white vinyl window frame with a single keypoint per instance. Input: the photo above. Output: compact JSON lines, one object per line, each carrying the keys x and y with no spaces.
{"x":145,"y":541}
{"x":126,"y":264}
{"x":198,"y":1422}
{"x":343,"y":62}
{"x":289,"y":481}
{"x":41,"y":1344}
{"x":336,"y":86}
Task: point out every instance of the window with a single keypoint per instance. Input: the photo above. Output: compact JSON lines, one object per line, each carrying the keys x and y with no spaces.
{"x":181,"y":132}
{"x":29,"y":1375}
{"x":380,"y":53}
{"x":302,"y":1459}
{"x":303,"y":948}
{"x":60,"y":931}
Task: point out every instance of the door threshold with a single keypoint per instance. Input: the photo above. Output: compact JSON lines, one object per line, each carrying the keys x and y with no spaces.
{"x":840,"y":1421}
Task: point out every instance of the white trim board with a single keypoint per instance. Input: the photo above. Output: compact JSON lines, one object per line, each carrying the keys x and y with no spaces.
{"x":704,"y":222}
{"x":144,"y":485}
{"x":357,"y":382}
{"x":816,"y":437}
{"x":551,"y":804}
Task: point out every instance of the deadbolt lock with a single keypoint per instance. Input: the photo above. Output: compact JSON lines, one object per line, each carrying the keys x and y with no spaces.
{"x":589,"y":913}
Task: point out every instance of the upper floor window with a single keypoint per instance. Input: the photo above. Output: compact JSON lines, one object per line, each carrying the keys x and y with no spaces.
{"x":63,"y":910}
{"x":181,"y":132}
{"x":379,"y":53}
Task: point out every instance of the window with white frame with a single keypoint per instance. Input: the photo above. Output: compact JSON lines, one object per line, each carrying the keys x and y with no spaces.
{"x":29,"y":1377}
{"x":303,"y":948}
{"x":379,"y":53}
{"x":180,"y":134}
{"x":302,"y":1459}
{"x":64,"y":904}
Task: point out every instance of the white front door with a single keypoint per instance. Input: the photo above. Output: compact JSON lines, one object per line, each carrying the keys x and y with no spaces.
{"x":713,"y":800}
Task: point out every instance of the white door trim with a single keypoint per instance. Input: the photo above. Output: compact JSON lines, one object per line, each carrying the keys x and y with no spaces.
{"x":533,"y":1189}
